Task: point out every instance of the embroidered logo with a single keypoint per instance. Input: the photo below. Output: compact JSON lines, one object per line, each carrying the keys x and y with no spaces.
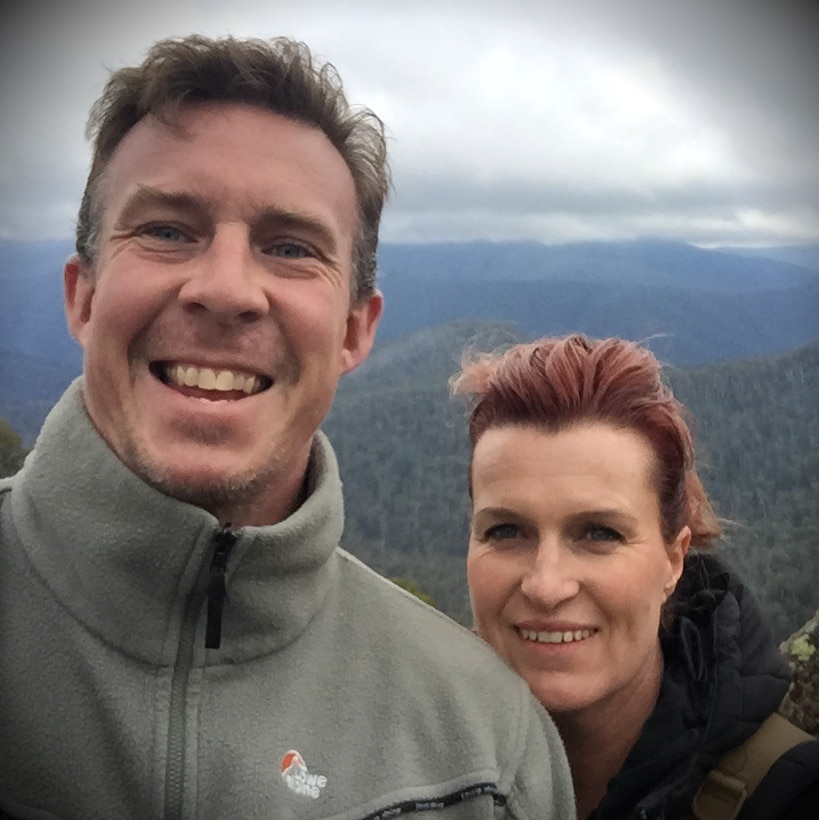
{"x":298,"y":778}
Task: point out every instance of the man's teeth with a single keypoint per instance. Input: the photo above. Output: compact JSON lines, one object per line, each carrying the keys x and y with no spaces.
{"x":557,"y":637}
{"x":205,"y":378}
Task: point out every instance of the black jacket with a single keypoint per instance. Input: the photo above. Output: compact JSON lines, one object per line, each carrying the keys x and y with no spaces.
{"x":723,"y":676}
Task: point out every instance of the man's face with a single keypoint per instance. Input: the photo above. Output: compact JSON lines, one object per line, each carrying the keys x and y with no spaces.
{"x":217,"y":320}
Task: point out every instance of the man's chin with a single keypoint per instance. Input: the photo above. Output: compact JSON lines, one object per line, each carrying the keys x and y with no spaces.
{"x":209,"y":488}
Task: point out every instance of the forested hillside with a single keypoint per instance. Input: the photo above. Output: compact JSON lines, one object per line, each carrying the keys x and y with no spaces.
{"x":758,"y":424}
{"x":402,"y":442}
{"x":12,"y":452}
{"x":403,"y":451}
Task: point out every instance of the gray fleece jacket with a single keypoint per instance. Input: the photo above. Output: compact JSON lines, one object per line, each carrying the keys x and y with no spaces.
{"x":332,"y":694}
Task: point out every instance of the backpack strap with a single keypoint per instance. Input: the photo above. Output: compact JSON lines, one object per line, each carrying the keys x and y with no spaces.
{"x":729,"y":784}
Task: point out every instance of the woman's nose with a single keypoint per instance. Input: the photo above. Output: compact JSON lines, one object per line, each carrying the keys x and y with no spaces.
{"x":551,"y":578}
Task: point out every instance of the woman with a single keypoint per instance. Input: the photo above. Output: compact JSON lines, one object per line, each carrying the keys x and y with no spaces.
{"x":654,"y":661}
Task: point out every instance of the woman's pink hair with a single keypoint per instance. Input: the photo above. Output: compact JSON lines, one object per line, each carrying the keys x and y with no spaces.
{"x":555,"y":383}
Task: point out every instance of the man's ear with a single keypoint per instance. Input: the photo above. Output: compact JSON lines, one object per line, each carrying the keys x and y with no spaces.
{"x":78,"y":293}
{"x":361,"y":326}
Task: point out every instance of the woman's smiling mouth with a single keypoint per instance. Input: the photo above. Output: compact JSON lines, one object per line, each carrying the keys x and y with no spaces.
{"x":567,"y":636}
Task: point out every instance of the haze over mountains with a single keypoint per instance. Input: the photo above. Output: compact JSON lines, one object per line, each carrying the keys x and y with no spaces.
{"x":699,"y":305}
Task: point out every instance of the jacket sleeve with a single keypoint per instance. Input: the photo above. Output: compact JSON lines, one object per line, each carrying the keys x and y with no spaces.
{"x":541,"y":788}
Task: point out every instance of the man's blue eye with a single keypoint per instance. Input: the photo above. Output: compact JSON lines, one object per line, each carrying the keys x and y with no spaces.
{"x":290,"y":250}
{"x":165,"y":232}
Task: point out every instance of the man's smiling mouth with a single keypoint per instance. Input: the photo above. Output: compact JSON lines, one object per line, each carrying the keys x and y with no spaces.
{"x":210,"y":379}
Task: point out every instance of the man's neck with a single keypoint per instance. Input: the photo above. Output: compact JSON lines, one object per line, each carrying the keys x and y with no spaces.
{"x":268,"y":505}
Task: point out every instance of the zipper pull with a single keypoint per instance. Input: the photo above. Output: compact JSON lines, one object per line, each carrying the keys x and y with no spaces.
{"x":225,"y":539}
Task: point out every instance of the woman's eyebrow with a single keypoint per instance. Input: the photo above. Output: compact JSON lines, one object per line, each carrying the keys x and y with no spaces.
{"x":606,"y":514}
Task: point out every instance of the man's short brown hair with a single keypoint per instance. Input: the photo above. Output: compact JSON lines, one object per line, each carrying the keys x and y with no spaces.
{"x":279,"y":75}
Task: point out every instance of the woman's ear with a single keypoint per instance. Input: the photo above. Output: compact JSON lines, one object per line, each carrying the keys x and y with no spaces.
{"x":677,"y":551}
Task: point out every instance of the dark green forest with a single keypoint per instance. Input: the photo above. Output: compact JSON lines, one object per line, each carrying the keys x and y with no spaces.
{"x":403,"y":451}
{"x":757,"y":423}
{"x":12,"y":452}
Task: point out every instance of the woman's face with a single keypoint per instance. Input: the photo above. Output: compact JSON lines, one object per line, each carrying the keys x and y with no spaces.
{"x":567,"y":567}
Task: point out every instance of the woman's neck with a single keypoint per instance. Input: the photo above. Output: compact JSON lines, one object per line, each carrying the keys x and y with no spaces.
{"x":599,"y":737}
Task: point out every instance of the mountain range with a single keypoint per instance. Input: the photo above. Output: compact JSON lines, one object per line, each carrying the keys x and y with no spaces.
{"x":738,"y":328}
{"x":694,"y":305}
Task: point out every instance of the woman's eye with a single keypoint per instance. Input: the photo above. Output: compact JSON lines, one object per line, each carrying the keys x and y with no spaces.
{"x":502,"y":532}
{"x":602,"y":533}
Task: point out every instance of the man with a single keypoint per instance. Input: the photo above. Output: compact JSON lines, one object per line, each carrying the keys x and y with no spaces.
{"x":182,"y":636}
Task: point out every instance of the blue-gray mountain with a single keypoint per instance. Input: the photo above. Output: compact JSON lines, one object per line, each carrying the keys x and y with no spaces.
{"x":696,"y":305}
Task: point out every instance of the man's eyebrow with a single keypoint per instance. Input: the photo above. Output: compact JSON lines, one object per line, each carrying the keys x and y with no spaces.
{"x":498,"y":512}
{"x":146,"y":197}
{"x":284,"y":219}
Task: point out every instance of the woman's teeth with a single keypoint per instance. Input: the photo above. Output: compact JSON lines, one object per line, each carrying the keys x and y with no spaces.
{"x":557,"y":637}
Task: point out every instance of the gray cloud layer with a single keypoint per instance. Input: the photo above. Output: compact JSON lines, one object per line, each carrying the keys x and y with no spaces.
{"x":540,"y":119}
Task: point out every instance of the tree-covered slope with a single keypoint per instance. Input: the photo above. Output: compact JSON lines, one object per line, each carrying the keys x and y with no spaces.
{"x":758,"y":424}
{"x":403,"y":451}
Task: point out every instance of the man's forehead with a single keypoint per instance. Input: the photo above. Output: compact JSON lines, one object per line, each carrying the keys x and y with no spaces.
{"x":271,"y":154}
{"x":189,"y":119}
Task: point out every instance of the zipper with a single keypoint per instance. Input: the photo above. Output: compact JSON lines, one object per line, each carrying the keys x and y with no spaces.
{"x":224,"y":539}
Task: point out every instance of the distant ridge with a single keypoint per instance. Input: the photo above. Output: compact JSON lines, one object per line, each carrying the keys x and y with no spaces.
{"x":637,"y":262}
{"x":695,"y":306}
{"x":806,"y":256}
{"x":706,"y":305}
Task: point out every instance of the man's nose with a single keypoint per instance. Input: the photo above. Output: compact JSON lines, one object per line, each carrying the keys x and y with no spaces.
{"x":226,"y":280}
{"x":552,"y":576}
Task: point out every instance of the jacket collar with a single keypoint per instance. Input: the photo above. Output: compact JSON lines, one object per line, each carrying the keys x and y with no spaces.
{"x":723,"y":676}
{"x":132,"y":564}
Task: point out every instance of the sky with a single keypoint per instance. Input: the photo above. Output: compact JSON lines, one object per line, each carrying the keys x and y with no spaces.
{"x":546,"y":120}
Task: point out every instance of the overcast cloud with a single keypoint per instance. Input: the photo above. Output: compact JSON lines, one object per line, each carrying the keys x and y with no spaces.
{"x":547,"y":120}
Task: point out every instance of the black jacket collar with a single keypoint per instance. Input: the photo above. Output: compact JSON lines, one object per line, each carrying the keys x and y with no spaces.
{"x":723,"y":676}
